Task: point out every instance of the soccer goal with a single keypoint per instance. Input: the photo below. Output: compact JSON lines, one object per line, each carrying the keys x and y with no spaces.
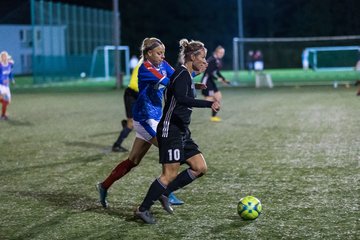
{"x":339,"y":58}
{"x":333,"y":53}
{"x":102,"y":63}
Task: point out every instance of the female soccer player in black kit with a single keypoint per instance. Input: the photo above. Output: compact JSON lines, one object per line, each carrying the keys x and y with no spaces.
{"x":173,"y":134}
{"x":212,"y":73}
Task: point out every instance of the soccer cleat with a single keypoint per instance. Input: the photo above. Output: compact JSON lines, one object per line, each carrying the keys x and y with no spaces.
{"x":146,"y":216}
{"x":4,"y":117}
{"x":102,"y":195}
{"x":164,"y":200}
{"x":215,"y":119}
{"x":117,"y":148}
{"x":173,"y":200}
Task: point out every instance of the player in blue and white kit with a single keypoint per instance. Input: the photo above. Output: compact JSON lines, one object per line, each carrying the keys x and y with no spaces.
{"x":6,"y":75}
{"x":153,"y":77}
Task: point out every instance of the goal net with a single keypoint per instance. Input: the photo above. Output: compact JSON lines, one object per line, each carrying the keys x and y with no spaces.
{"x":340,"y":58}
{"x":103,"y":65}
{"x":336,"y":53}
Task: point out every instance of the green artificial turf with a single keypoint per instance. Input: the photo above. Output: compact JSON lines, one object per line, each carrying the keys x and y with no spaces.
{"x":296,"y":149}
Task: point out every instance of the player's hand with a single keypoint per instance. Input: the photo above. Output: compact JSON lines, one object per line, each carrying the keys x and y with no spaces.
{"x":226,"y":82}
{"x":202,"y":67}
{"x":215,"y":106}
{"x":200,"y":86}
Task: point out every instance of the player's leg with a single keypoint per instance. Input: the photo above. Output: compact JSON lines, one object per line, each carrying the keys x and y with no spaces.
{"x":123,"y":134}
{"x":130,"y":97}
{"x":145,"y":137}
{"x":194,"y":158}
{"x":211,"y":98}
{"x":197,"y":169}
{"x":170,"y":155}
{"x":5,"y":100}
{"x":217,"y":97}
{"x":138,"y":151}
{"x":156,"y":190}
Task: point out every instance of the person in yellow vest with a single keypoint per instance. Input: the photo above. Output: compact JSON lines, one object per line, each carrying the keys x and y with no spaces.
{"x":130,"y":96}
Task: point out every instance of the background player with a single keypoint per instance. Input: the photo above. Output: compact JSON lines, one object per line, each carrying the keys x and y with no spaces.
{"x":212,"y":73}
{"x":153,"y":77}
{"x":173,"y":134}
{"x":130,"y":96}
{"x":6,"y":75}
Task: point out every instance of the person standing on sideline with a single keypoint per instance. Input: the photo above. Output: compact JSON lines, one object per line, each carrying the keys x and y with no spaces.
{"x":130,"y":96}
{"x":212,"y":73}
{"x":133,"y":62}
{"x":175,"y":143}
{"x":153,"y":77}
{"x":249,"y":61}
{"x":6,"y":75}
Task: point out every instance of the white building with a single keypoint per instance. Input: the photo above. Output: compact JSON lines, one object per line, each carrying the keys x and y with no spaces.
{"x":17,"y":40}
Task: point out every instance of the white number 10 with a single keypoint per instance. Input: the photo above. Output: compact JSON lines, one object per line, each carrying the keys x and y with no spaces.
{"x":174,"y":154}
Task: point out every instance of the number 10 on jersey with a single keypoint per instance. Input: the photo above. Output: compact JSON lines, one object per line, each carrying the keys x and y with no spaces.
{"x":174,"y":154}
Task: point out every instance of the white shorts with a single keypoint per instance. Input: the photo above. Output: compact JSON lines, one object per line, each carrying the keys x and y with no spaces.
{"x":146,"y":130}
{"x":5,"y":92}
{"x":259,"y":65}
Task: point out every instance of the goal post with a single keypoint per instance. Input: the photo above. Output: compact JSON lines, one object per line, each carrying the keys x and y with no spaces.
{"x":337,"y":58}
{"x":102,"y":64}
{"x":327,"y":52}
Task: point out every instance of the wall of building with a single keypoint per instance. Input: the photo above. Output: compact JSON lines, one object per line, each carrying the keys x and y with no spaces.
{"x":17,"y":40}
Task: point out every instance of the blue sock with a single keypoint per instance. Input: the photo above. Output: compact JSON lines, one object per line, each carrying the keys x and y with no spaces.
{"x":155,"y":191}
{"x":184,"y":178}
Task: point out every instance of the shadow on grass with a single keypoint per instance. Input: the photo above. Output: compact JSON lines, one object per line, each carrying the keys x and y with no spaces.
{"x":86,"y":144}
{"x":77,"y":160}
{"x":103,"y":148}
{"x":236,"y":223}
{"x":105,"y":134}
{"x":19,"y":123}
{"x":74,"y":203}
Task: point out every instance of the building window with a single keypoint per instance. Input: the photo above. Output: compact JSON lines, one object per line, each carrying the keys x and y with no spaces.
{"x":22,"y":36}
{"x":38,"y":35}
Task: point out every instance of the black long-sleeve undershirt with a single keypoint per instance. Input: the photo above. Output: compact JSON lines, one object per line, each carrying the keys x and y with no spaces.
{"x":180,"y":99}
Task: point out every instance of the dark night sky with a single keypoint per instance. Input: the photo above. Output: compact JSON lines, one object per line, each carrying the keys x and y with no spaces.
{"x":215,"y":21}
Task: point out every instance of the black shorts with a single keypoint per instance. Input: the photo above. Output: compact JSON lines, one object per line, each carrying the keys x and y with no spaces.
{"x":211,"y":88}
{"x":177,"y":147}
{"x":130,"y":97}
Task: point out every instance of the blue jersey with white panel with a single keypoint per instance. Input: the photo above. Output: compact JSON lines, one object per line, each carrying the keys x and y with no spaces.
{"x":152,"y":82}
{"x":6,"y":74}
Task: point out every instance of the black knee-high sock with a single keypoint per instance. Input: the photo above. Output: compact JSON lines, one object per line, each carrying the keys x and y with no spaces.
{"x":123,"y":134}
{"x":155,"y":191}
{"x":213,"y":113}
{"x":184,"y":178}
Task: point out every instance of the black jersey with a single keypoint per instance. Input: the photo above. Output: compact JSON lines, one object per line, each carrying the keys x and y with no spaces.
{"x":213,"y":70}
{"x":179,"y":100}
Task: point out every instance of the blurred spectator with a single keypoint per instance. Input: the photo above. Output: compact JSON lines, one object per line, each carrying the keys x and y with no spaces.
{"x":250,"y":61}
{"x":133,"y":62}
{"x":305,"y":59}
{"x":258,"y":61}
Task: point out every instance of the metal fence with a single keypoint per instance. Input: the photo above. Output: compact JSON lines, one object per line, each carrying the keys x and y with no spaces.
{"x":64,"y":37}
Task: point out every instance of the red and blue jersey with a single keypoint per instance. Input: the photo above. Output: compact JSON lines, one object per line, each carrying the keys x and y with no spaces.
{"x":6,"y":74}
{"x":152,"y":82}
